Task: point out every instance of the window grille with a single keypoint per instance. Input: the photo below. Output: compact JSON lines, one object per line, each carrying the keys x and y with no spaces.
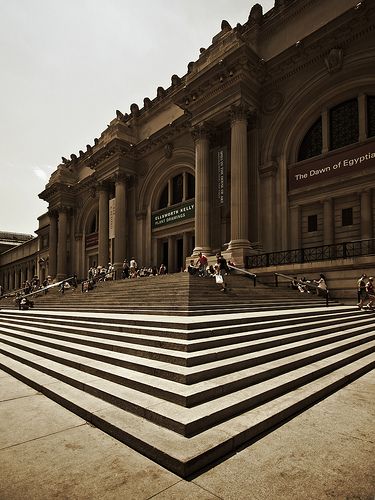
{"x":344,"y":126}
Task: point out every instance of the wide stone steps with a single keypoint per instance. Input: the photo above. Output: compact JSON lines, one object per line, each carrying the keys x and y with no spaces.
{"x":187,"y":390}
{"x":183,"y":455}
{"x":181,"y":352}
{"x":174,"y":294}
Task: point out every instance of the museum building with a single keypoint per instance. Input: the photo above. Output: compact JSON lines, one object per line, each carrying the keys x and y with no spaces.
{"x":264,"y":149}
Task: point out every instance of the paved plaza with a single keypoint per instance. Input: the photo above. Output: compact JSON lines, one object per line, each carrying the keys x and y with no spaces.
{"x":48,"y":452}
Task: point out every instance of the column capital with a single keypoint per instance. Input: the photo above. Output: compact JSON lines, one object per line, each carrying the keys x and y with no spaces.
{"x":119,"y":177}
{"x":240,"y":112}
{"x":201,"y":131}
{"x":103,"y":185}
{"x":52,"y":213}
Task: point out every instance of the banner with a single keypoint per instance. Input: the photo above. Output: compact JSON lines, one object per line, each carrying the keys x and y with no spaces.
{"x":112,"y":216}
{"x":220,"y":163}
{"x":171,"y":215}
{"x":353,"y":161}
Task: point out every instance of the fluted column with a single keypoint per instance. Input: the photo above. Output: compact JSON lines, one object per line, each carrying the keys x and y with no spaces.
{"x":239,"y":181}
{"x":103,"y":239}
{"x":120,"y":221}
{"x":52,"y":260}
{"x":171,"y":265}
{"x":202,"y":190}
{"x":61,"y":243}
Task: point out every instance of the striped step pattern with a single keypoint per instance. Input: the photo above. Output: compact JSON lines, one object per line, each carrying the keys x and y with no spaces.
{"x":187,"y":391}
{"x":173,"y":294}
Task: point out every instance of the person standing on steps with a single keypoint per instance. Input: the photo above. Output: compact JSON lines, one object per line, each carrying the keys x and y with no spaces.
{"x":361,"y":290}
{"x":220,"y":270}
{"x":370,"y":293}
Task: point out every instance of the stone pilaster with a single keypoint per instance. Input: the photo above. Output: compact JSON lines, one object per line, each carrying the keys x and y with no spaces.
{"x":120,"y":222}
{"x":103,"y":237}
{"x":239,"y":245}
{"x":202,"y":190}
{"x":328,"y":223}
{"x":61,"y":243}
{"x":52,"y":259}
{"x":171,"y":265}
{"x":366,"y":215}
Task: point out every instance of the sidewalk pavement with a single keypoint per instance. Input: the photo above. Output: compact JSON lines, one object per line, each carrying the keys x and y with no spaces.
{"x":327,"y":452}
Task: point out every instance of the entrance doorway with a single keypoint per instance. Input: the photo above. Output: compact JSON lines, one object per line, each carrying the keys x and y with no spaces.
{"x":180,"y":254}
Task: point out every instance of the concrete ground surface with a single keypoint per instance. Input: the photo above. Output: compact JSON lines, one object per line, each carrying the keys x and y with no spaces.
{"x":47,"y":452}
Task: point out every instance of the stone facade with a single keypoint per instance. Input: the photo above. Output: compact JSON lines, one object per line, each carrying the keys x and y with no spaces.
{"x":266,"y":144}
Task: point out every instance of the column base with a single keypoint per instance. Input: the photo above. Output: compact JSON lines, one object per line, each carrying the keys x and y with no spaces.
{"x":206,"y":250}
{"x":238,"y":251}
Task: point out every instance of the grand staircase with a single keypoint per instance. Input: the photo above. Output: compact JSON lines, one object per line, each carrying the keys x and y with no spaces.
{"x":178,"y":293}
{"x":189,"y":387}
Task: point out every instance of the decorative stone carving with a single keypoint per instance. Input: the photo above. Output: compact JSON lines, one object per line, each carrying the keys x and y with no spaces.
{"x":96,"y":141}
{"x":225,"y":26}
{"x":160,"y":92}
{"x":190,"y":66}
{"x":134,"y":109}
{"x":334,"y":60}
{"x":272,"y":102}
{"x":119,"y":115}
{"x":168,"y":150}
{"x":240,"y":111}
{"x":64,"y":160}
{"x":176,"y":80}
{"x":201,"y":131}
{"x":146,"y":102}
{"x":256,"y":14}
{"x":73,"y":156}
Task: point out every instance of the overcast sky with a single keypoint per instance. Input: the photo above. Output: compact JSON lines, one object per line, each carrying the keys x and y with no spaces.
{"x":67,"y":66}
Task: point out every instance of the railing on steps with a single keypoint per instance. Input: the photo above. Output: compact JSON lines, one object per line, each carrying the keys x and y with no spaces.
{"x":246,"y":273}
{"x":306,"y":284}
{"x":42,"y":290}
{"x":345,"y":250}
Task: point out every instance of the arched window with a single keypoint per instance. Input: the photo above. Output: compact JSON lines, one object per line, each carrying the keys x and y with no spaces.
{"x":190,"y":186}
{"x":344,"y":125}
{"x":178,"y":188}
{"x":163,"y":202}
{"x":93,"y":225}
{"x":312,"y":143}
{"x":181,"y":185}
{"x":371,"y":116}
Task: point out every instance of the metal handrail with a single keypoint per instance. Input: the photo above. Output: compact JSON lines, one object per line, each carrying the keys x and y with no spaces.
{"x":44,"y":288}
{"x":252,"y":275}
{"x":290,"y":278}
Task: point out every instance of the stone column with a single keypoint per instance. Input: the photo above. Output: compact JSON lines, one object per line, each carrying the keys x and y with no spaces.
{"x":185,"y":246}
{"x":202,"y":190}
{"x":239,"y":244}
{"x":103,"y":238}
{"x":62,"y":237}
{"x":120,"y":222}
{"x":328,"y":225}
{"x":52,"y":260}
{"x":366,"y":215}
{"x":171,"y":265}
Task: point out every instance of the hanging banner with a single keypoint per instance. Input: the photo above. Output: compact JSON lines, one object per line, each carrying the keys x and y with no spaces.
{"x":112,"y":216}
{"x":171,"y":215}
{"x":220,"y":162}
{"x":352,"y":161}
